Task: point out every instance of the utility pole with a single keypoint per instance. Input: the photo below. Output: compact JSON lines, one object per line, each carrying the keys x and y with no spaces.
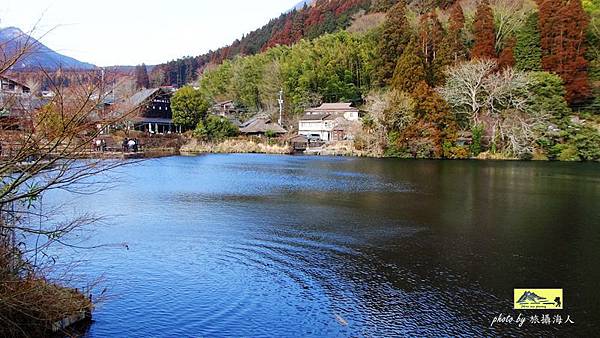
{"x":280,"y":107}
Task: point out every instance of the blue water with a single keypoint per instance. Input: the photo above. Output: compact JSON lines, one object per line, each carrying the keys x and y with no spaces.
{"x":282,"y":246}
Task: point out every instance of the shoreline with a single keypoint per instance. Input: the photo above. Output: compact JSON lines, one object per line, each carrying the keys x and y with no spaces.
{"x":195,"y":147}
{"x":235,"y":146}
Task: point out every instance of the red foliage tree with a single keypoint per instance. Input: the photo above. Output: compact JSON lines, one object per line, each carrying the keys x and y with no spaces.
{"x":485,"y":36}
{"x":455,"y":28}
{"x":507,"y":56}
{"x":563,"y":25}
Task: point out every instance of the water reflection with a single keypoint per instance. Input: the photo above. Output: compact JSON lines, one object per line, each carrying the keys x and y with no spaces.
{"x":251,"y":245}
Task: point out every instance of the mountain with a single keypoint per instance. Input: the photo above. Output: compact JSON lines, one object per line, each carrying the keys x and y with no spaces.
{"x":13,"y":39}
{"x":320,"y":17}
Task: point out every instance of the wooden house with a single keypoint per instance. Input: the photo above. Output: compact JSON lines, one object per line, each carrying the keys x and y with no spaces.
{"x":226,"y":109}
{"x":15,"y":102}
{"x":260,"y":125}
{"x":152,"y":111}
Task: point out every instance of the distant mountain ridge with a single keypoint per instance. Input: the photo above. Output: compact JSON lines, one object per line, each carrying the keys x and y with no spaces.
{"x":13,"y":39}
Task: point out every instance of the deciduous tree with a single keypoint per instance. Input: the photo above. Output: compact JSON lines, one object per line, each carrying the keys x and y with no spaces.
{"x":465,"y":88}
{"x":563,"y":25}
{"x":455,"y":32}
{"x":485,"y":36}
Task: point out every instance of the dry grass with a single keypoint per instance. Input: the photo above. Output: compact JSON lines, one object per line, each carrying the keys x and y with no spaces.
{"x":364,"y":23}
{"x":29,"y":307}
{"x":489,"y":156}
{"x":234,"y":146}
{"x":29,"y":304}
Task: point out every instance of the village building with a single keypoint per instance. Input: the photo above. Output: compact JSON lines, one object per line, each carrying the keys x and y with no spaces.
{"x":329,"y":122}
{"x":152,"y":111}
{"x":260,"y":125}
{"x":15,"y":101}
{"x":13,"y":95}
{"x":225,"y":109}
{"x":229,"y":110}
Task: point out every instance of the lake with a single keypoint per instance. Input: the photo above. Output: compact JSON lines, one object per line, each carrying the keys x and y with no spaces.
{"x":294,"y":246}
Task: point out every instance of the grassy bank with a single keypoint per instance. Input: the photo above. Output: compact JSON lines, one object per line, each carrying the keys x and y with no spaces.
{"x":32,"y":307}
{"x":240,"y":146}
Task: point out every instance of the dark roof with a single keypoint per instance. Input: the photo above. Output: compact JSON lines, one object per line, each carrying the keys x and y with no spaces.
{"x":334,"y":108}
{"x":254,"y":118}
{"x":14,"y":81}
{"x":299,"y":138}
{"x":141,"y":97}
{"x":153,"y":120}
{"x":312,"y":116}
{"x":260,"y":125}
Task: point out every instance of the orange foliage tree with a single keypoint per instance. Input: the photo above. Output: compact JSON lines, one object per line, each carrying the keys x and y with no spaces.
{"x":563,"y":25}
{"x":485,"y":36}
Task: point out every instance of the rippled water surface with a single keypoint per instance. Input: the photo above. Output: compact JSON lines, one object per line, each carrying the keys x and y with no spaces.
{"x":253,"y":245}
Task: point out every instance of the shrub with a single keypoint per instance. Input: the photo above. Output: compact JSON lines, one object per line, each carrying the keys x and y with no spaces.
{"x":565,"y":152}
{"x":547,"y":94}
{"x":455,"y":152}
{"x":477,"y":138}
{"x":189,"y":107}
{"x":270,"y":134}
{"x":215,"y":128}
{"x":587,"y":143}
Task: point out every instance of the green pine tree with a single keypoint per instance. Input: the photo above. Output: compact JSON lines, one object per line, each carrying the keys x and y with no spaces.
{"x":393,"y":40}
{"x":410,"y":70}
{"x":528,"y":50}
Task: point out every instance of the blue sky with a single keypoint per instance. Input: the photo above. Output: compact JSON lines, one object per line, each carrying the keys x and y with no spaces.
{"x":125,"y":32}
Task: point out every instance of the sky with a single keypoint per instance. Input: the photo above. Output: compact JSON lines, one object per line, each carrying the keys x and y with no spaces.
{"x":131,"y":32}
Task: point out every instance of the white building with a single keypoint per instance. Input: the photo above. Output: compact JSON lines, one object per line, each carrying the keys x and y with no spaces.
{"x":326,"y":121}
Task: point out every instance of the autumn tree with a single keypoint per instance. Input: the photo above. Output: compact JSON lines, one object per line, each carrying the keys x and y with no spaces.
{"x":563,"y":25}
{"x":394,"y":39}
{"x":434,"y":111}
{"x":48,"y":150}
{"x":456,"y":25}
{"x":507,"y":55}
{"x":382,"y":5}
{"x":483,"y":29}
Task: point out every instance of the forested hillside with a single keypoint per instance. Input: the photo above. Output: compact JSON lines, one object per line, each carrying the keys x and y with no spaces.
{"x":507,"y":78}
{"x":323,"y":16}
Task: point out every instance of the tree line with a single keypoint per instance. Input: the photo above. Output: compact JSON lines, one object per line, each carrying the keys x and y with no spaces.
{"x":516,"y":78}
